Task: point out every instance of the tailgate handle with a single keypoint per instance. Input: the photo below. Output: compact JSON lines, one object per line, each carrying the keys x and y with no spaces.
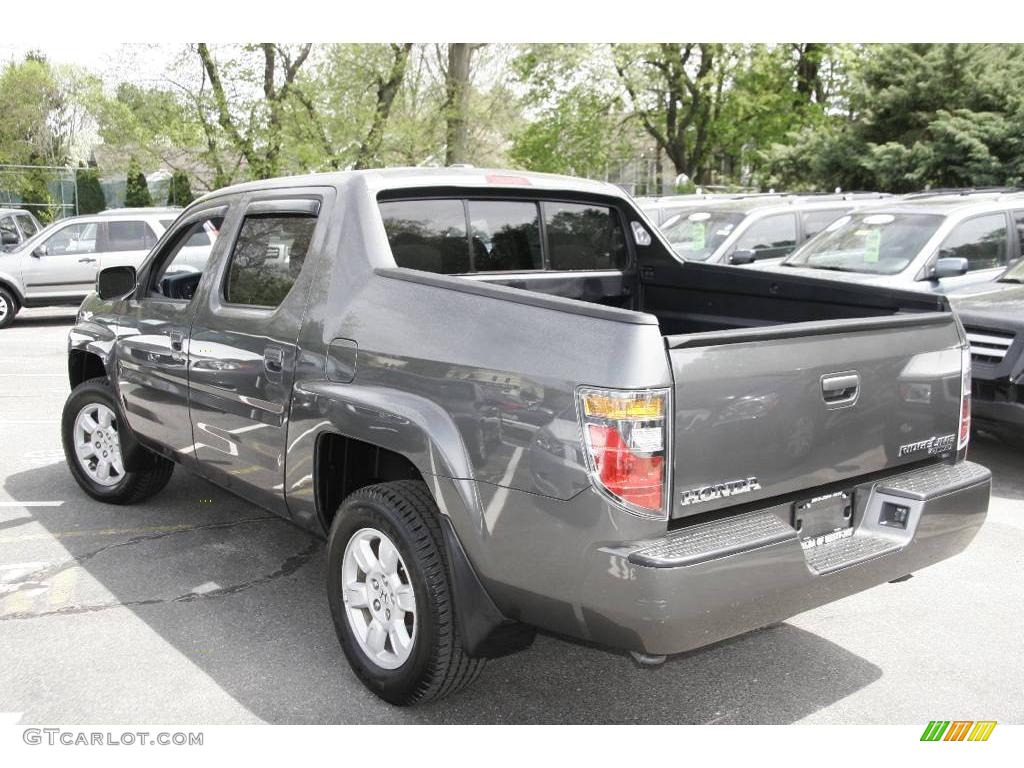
{"x":839,"y":389}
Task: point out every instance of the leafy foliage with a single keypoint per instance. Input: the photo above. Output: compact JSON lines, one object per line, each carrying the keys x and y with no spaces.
{"x":796,"y":115}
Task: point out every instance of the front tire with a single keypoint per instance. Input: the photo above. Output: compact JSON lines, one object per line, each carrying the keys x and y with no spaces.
{"x":8,"y":307}
{"x":92,"y":447}
{"x":390,"y":595}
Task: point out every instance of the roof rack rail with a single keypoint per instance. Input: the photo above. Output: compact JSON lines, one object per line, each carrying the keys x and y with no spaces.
{"x":961,"y":191}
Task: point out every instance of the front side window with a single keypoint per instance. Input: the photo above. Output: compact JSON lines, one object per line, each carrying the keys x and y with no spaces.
{"x":28,"y":226}
{"x":427,"y":234}
{"x":72,"y":239}
{"x":505,"y":235}
{"x":770,"y":237}
{"x":583,"y":236}
{"x":180,"y":258}
{"x":128,"y":236}
{"x":872,"y":243}
{"x":268,"y":255}
{"x":981,"y":240}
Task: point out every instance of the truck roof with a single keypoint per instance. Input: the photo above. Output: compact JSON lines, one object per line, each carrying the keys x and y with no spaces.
{"x":379,"y":179}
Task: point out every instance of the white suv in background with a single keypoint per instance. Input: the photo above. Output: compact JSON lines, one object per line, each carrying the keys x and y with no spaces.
{"x":58,"y":265}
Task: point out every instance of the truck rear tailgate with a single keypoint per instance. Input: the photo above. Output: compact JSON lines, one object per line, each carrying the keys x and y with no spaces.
{"x":765,"y":412}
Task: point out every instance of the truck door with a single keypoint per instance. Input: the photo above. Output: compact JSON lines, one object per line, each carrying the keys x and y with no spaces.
{"x":153,"y":331}
{"x":243,"y":344}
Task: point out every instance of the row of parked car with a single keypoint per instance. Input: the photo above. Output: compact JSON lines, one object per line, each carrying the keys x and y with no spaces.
{"x":967,"y":244}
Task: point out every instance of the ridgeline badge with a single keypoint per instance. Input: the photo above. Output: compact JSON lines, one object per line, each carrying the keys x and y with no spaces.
{"x":934,"y":445}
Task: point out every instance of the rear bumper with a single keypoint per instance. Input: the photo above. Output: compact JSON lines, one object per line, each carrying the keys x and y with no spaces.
{"x":714,"y":580}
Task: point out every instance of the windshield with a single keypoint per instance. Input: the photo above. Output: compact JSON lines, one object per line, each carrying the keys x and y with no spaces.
{"x":697,"y":234}
{"x":874,"y":243}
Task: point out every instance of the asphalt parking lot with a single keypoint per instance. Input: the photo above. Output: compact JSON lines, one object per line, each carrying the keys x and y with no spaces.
{"x":196,"y":607}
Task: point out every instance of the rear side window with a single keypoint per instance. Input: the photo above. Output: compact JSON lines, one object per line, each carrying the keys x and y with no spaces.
{"x":268,"y":255}
{"x":816,"y":221}
{"x":127,"y":236}
{"x":505,"y":235}
{"x":981,"y":240}
{"x":8,"y":228}
{"x":427,"y":234}
{"x":584,"y":237}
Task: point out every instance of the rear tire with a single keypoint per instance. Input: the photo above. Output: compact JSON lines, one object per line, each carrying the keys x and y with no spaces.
{"x":92,"y":447}
{"x":8,"y":307}
{"x":401,"y":514}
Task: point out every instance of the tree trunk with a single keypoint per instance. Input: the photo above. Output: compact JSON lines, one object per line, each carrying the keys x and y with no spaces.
{"x":387,"y":89}
{"x":457,"y":102}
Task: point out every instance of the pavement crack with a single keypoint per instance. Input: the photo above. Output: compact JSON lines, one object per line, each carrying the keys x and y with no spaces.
{"x":291,"y":564}
{"x":52,"y":570}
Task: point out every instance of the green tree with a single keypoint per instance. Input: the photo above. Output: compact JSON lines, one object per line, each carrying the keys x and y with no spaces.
{"x":917,"y":116}
{"x":44,"y":111}
{"x":578,"y":125}
{"x":136,"y":193}
{"x":180,"y":190}
{"x":33,"y":189}
{"x":88,"y":191}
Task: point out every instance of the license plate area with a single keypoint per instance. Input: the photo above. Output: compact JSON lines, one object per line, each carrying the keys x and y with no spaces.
{"x":823,"y":519}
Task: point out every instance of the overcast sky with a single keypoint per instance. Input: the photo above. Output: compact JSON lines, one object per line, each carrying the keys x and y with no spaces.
{"x":137,"y":62}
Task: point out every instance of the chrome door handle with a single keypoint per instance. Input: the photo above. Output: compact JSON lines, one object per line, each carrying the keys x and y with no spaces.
{"x":87,"y":260}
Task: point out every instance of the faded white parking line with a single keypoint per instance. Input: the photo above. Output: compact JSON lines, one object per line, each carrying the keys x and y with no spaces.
{"x":31,"y":503}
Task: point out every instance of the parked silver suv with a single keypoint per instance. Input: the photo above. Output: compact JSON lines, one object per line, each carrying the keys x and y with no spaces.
{"x":58,"y":265}
{"x":932,"y":243}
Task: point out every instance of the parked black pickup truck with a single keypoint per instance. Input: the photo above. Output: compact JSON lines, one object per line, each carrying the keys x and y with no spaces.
{"x":993,"y":316}
{"x":508,"y":405}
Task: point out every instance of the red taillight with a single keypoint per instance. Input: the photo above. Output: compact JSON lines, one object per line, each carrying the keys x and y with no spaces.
{"x":965,"y":399}
{"x":639,"y":480}
{"x":625,"y":438}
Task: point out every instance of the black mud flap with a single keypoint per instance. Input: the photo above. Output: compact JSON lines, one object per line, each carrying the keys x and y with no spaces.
{"x":485,"y":632}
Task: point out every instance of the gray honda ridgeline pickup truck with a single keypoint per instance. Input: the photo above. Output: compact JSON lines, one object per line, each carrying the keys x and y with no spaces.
{"x":508,"y":406}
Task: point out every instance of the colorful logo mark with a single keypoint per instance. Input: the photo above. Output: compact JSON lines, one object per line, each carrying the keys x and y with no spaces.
{"x":958,"y":730}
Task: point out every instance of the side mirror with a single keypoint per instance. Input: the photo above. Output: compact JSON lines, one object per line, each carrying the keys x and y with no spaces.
{"x":743,"y":257}
{"x":949,"y":267}
{"x":9,"y":238}
{"x":40,"y":251}
{"x":115,"y":282}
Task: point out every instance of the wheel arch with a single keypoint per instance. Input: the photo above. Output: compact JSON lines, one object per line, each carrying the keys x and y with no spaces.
{"x":343,"y":465}
{"x":83,"y":365}
{"x":12,"y":288}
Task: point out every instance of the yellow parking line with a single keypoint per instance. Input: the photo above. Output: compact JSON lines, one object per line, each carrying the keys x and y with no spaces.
{"x":101,"y":532}
{"x":62,"y":587}
{"x":15,"y":602}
